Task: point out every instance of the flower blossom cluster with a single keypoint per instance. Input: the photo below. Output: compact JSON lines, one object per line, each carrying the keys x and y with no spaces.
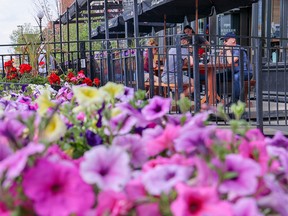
{"x":107,"y":151}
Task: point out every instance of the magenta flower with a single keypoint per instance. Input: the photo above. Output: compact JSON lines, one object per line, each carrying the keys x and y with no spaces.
{"x":151,"y":209}
{"x":113,"y":204}
{"x":4,"y":210}
{"x":246,"y":207}
{"x":257,"y":151}
{"x":57,"y":189}
{"x":163,"y":178}
{"x":14,"y":164}
{"x":156,"y":108}
{"x":199,"y":201}
{"x":135,"y":190}
{"x":134,"y":146}
{"x":108,"y":168}
{"x":158,"y":140}
{"x":5,"y":150}
{"x":254,"y":134}
{"x":244,"y":180}
{"x":176,"y":159}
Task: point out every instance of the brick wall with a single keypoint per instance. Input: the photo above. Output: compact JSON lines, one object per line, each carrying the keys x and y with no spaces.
{"x":64,"y":4}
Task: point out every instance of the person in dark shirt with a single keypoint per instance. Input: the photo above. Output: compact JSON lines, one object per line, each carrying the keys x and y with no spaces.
{"x":199,"y":40}
{"x":231,"y":53}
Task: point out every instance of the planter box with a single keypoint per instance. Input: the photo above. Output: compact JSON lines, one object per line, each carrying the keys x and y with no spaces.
{"x":4,"y":86}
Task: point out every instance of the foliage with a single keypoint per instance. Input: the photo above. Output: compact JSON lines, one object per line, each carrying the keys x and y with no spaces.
{"x":107,"y":151}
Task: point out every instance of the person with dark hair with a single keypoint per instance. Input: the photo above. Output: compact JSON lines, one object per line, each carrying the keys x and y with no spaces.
{"x":231,"y":55}
{"x":171,"y":65}
{"x":199,"y":40}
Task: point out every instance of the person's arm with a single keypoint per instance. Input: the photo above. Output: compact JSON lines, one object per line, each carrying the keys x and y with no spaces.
{"x":207,"y":43}
{"x":231,"y":58}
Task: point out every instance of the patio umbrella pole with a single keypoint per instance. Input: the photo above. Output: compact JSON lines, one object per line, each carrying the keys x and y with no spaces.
{"x":164,"y":41}
{"x":196,"y":16}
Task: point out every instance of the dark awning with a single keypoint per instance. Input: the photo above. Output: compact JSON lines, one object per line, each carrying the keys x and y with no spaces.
{"x":177,"y":10}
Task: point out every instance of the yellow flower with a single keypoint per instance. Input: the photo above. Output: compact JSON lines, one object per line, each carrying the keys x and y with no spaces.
{"x":44,"y":103}
{"x":115,"y":112}
{"x":55,"y":129}
{"x":86,"y":95}
{"x":113,"y":90}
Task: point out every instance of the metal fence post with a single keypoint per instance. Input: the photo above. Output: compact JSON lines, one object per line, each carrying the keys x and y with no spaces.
{"x":259,"y":84}
{"x":179,"y":66}
{"x":196,"y":77}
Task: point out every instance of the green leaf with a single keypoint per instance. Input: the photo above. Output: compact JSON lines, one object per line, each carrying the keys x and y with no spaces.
{"x":230,"y":175}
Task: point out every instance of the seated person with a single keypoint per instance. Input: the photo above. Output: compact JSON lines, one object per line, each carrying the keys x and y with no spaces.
{"x":231,"y":53}
{"x":199,"y":40}
{"x":153,"y":44}
{"x":170,"y":71}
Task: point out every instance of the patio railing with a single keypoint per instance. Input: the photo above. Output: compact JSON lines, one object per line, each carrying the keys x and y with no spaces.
{"x":265,"y":95}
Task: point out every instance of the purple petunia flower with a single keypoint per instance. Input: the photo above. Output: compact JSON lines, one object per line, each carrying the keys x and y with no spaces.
{"x":5,"y":150}
{"x":135,"y":147}
{"x":245,"y":181}
{"x":92,"y":138}
{"x":193,"y":138}
{"x":127,"y":95}
{"x":279,"y":140}
{"x":121,"y":124}
{"x":163,"y":178}
{"x":246,"y":207}
{"x":11,"y":129}
{"x":277,"y":198}
{"x":108,"y":168}
{"x":282,"y":156}
{"x":156,"y":108}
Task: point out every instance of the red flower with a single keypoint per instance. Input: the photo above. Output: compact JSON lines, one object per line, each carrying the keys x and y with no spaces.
{"x":96,"y":81}
{"x":25,"y":68}
{"x":88,"y":81}
{"x":11,"y":76}
{"x":53,"y":78}
{"x":8,"y":64}
{"x":13,"y":70}
{"x":70,"y":75}
{"x":81,"y":72}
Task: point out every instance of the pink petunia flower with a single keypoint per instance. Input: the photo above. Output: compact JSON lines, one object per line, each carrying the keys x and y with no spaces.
{"x":57,"y":189}
{"x":199,"y":201}
{"x":245,"y":181}
{"x":113,"y":204}
{"x":158,"y":140}
{"x":15,"y":163}
{"x":176,"y":159}
{"x":257,"y":151}
{"x":108,"y":168}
